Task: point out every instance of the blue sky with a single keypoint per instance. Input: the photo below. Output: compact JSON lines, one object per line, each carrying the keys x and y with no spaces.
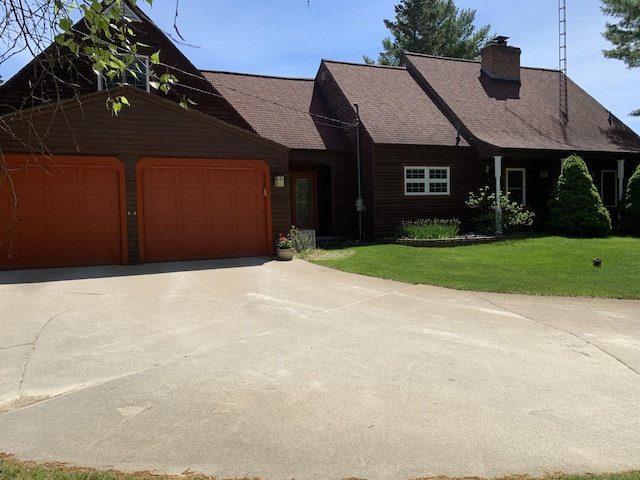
{"x":285,"y":38}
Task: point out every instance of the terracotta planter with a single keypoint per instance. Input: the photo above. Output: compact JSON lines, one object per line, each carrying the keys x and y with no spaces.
{"x":286,"y":253}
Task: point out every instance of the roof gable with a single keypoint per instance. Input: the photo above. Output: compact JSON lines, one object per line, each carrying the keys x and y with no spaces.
{"x":393,"y":107}
{"x":191,"y":84}
{"x":527,"y":115}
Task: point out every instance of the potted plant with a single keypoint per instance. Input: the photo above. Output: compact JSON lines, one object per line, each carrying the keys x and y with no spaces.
{"x":285,"y":247}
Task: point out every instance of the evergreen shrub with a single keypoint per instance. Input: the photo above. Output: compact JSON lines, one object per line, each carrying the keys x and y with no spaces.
{"x":575,"y":207}
{"x":630,"y":204}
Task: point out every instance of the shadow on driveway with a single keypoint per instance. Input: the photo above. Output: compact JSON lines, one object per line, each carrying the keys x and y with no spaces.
{"x":12,"y":277}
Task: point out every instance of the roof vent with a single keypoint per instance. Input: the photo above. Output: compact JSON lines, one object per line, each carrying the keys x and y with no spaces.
{"x":500,"y":61}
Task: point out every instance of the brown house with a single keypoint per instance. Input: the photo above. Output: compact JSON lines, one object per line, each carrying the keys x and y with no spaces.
{"x":351,"y":153}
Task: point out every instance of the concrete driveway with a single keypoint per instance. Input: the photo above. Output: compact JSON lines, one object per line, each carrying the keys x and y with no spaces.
{"x":287,"y":370}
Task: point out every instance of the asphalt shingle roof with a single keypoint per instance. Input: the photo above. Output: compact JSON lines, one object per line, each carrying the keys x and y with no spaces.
{"x":525,"y":116}
{"x":286,"y":110}
{"x":393,"y":107}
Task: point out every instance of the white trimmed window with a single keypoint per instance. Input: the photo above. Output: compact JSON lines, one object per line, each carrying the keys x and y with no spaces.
{"x":136,"y":75}
{"x":517,"y":185}
{"x":427,"y":180}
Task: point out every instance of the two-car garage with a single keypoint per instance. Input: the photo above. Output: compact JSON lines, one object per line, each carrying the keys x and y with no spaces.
{"x":72,"y":211}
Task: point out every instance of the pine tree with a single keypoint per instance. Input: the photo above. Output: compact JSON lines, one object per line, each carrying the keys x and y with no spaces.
{"x":625,"y":35}
{"x":576,"y":207}
{"x":433,"y":27}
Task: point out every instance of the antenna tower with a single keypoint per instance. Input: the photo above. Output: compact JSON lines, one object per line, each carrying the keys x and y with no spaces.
{"x":562,"y":14}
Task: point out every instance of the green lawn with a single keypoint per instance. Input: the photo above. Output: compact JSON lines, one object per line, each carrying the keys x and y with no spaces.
{"x":11,"y":469}
{"x":539,"y":265}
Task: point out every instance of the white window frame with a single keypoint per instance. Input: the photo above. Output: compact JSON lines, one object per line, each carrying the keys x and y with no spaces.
{"x":524,"y":182}
{"x":425,"y":180}
{"x":615,"y":193}
{"x":103,"y":83}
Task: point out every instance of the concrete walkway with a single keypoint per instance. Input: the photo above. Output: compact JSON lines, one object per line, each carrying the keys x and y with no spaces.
{"x":287,"y":370}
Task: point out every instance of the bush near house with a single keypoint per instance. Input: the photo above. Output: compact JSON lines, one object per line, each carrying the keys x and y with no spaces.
{"x":575,"y":207}
{"x":483,"y":203}
{"x":630,"y":204}
{"x":431,"y":229}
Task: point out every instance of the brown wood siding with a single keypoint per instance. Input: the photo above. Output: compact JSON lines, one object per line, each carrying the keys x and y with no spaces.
{"x":337,"y":193}
{"x":148,"y":129}
{"x":340,"y":108}
{"x":394,"y":207}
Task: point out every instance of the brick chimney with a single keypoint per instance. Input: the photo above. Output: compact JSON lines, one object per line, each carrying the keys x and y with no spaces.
{"x":500,"y":61}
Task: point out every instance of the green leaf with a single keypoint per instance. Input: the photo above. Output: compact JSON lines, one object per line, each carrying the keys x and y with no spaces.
{"x":65,"y":24}
{"x":155,"y":57}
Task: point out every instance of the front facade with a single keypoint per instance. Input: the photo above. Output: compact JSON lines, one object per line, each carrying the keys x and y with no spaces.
{"x":350,"y":153}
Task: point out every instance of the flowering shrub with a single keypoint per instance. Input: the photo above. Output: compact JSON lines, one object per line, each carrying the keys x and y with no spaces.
{"x":285,"y":242}
{"x":483,"y":203}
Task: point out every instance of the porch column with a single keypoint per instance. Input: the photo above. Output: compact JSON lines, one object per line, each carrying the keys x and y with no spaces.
{"x":620,"y":179}
{"x":498,"y":171}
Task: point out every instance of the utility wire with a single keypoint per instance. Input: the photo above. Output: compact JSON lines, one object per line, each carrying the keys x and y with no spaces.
{"x":341,"y":123}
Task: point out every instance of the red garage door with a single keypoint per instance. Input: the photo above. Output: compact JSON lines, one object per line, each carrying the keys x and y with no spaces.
{"x":68,"y":212}
{"x":197,"y":209}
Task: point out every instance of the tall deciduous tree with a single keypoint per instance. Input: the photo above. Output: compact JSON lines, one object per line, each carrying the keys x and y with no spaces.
{"x":625,"y":34}
{"x":433,"y":27}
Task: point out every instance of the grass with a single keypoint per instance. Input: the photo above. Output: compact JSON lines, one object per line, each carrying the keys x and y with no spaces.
{"x":541,"y":265}
{"x":12,"y":469}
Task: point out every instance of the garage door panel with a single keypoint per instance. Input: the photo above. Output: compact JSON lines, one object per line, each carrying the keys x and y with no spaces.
{"x":30,"y":202}
{"x":247,"y":178}
{"x":25,"y":233}
{"x":197,"y":248}
{"x":63,"y":202}
{"x":96,"y":229}
{"x":164,"y":227}
{"x":195,"y":226}
{"x":220,"y":177}
{"x":68,"y":216}
{"x":193,"y":201}
{"x":166,"y":201}
{"x":33,"y":177}
{"x":214,"y":201}
{"x":97,"y":177}
{"x":62,"y":177}
{"x":163,"y":177}
{"x":248,"y":201}
{"x":193,"y":177}
{"x":221,"y":200}
{"x":64,"y":230}
{"x":98,"y":202}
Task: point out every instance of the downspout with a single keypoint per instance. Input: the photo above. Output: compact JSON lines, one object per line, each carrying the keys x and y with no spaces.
{"x":359,"y":201}
{"x":498,"y":171}
{"x":620,"y":179}
{"x":620,"y":185}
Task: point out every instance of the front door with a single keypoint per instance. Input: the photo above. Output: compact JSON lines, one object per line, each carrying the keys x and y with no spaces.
{"x":304,"y":200}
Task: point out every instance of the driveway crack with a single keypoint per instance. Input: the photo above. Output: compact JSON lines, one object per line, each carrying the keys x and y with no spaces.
{"x":539,"y":322}
{"x":34,"y":344}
